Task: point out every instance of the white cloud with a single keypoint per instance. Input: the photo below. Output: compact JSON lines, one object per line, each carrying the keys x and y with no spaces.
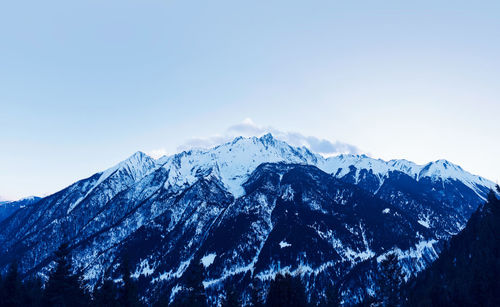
{"x":157,"y":153}
{"x":207,"y":142}
{"x":248,"y":128}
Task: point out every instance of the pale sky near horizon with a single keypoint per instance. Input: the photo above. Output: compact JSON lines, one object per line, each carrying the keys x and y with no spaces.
{"x":84,"y":84}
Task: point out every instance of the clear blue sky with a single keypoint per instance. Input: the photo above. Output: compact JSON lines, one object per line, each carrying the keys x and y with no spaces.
{"x":84,"y":84}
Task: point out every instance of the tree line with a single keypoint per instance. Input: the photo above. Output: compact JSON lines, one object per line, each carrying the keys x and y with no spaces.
{"x":468,"y":269}
{"x":66,"y":289}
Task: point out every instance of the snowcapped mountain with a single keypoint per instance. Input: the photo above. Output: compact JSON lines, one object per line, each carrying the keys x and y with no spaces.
{"x":247,"y":209}
{"x":440,"y":170}
{"x":232,"y":162}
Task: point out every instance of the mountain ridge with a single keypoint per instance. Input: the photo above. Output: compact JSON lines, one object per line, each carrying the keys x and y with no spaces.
{"x":244,"y":204}
{"x":338,"y":165}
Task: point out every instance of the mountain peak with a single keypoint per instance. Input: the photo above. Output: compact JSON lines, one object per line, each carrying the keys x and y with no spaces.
{"x":439,"y":168}
{"x":236,"y":140}
{"x":138,"y":154}
{"x":234,"y":161}
{"x":137,"y":165}
{"x":268,"y":138}
{"x":447,"y":164}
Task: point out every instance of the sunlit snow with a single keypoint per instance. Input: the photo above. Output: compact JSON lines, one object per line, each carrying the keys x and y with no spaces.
{"x":208,"y":259}
{"x":284,"y":244}
{"x":233,"y":162}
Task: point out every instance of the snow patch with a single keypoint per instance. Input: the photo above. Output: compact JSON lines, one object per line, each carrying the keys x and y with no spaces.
{"x":144,"y":269}
{"x":422,"y":253}
{"x":170,"y":274}
{"x":174,"y":291}
{"x":207,"y":260}
{"x":288,"y":193}
{"x":424,"y":223}
{"x":284,"y":244}
{"x":424,"y":220}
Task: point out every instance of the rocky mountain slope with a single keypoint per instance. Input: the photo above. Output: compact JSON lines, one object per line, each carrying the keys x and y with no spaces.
{"x":466,"y":273}
{"x":247,"y":209}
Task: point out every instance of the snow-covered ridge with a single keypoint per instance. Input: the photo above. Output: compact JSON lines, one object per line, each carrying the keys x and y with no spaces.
{"x":137,"y":166}
{"x":132,"y":169}
{"x":234,"y":161}
{"x":437,"y":170}
{"x":27,"y":199}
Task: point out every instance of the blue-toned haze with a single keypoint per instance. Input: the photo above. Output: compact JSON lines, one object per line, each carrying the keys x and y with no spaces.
{"x":84,"y":84}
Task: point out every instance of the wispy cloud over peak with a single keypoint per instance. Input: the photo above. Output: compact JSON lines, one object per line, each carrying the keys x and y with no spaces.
{"x":248,"y":128}
{"x":157,"y":153}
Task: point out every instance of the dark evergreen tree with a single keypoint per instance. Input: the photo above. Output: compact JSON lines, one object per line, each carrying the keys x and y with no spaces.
{"x":391,"y":279}
{"x":193,"y":293}
{"x":128,"y":294}
{"x":256,"y":294}
{"x":12,"y":287}
{"x":492,"y":198}
{"x":107,"y":294}
{"x":32,"y":292}
{"x":2,"y":292}
{"x":369,"y":301}
{"x":163,"y":301}
{"x":63,"y":288}
{"x":14,"y":292}
{"x":232,"y":298}
{"x":286,"y":290}
{"x":332,"y":297}
{"x":466,"y":273}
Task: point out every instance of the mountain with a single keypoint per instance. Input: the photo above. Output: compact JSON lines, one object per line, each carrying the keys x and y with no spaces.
{"x":466,"y":273}
{"x":247,"y":209}
{"x":7,"y":208}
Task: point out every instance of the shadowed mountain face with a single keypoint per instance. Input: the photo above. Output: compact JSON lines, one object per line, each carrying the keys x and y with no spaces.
{"x":466,"y":273}
{"x":247,"y":210}
{"x":7,"y":208}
